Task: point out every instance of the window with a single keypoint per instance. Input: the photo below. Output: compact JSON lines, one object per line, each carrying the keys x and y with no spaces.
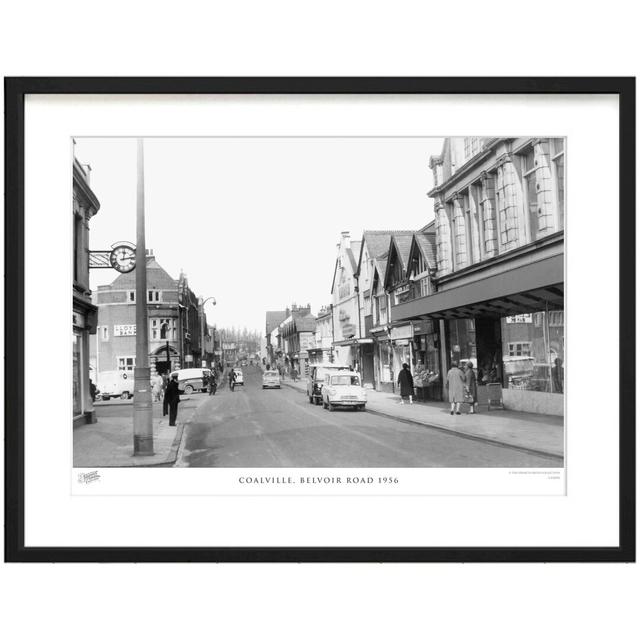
{"x":557,"y":160}
{"x":163,"y":328}
{"x":104,"y":333}
{"x":77,"y":244}
{"x":126,"y":363}
{"x":153,"y":295}
{"x":471,"y":147}
{"x":519,"y":348}
{"x":131,"y":296}
{"x":530,"y":192}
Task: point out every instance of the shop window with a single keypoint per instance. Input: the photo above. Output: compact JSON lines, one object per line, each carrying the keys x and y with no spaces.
{"x":462,"y":341}
{"x":533,"y":352}
{"x":126,"y":363}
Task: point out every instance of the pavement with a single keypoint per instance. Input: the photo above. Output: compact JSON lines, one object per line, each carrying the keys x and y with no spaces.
{"x":528,"y":432}
{"x":109,"y":441}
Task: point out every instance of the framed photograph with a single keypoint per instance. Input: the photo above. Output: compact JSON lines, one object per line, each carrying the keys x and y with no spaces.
{"x":320,"y":319}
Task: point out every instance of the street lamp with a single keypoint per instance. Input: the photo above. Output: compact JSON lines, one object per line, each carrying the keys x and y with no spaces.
{"x":202,"y":303}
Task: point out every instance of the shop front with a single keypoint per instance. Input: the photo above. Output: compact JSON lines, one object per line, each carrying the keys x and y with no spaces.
{"x":84,"y":316}
{"x":509,"y":327}
{"x":427,"y":376}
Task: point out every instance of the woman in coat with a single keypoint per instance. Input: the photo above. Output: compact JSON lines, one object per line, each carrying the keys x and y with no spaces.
{"x":472,"y":385}
{"x":455,"y":385}
{"x":405,"y":381}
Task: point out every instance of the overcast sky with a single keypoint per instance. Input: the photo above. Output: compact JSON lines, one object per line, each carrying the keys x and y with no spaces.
{"x":255,"y":221}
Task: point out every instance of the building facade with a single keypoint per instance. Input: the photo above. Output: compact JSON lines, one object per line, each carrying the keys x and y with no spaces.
{"x":85,"y":206}
{"x":345,"y":303}
{"x":498,"y":295}
{"x":297,"y":337}
{"x":174,"y":317}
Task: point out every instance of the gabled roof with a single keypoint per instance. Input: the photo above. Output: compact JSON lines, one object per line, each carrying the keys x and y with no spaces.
{"x":156,"y":277}
{"x":274,"y":318}
{"x":399,"y":248}
{"x":377,"y":242}
{"x":427,"y":244}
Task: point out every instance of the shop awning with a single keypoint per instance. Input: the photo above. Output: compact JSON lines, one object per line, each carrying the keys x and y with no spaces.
{"x":532,"y":287}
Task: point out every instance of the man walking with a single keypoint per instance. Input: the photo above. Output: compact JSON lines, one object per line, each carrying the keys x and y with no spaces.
{"x":232,"y":379}
{"x":171,"y":399}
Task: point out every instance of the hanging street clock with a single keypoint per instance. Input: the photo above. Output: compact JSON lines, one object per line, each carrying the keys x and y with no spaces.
{"x":123,"y":258}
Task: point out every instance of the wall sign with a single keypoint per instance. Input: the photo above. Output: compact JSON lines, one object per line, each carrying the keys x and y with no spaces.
{"x":124,"y":330}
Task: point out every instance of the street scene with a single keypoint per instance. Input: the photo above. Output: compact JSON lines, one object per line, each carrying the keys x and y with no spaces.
{"x":432,"y":328}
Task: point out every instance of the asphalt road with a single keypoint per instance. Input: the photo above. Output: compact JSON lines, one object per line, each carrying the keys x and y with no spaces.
{"x":252,"y":427}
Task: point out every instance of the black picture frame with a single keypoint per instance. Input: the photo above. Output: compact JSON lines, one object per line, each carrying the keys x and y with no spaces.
{"x":15,"y":91}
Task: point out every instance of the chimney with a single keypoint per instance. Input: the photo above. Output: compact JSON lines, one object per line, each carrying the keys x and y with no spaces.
{"x":346,"y":239}
{"x":149,"y":253}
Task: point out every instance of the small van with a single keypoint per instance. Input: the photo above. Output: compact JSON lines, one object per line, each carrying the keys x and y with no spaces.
{"x":190,"y":380}
{"x":115,"y":384}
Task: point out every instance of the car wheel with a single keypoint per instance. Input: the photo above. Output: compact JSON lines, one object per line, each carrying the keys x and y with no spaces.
{"x":331,"y":407}
{"x":188,"y":390}
{"x":124,"y":395}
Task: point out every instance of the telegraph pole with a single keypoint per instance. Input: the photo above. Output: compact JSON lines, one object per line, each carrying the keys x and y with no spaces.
{"x":142,"y":418}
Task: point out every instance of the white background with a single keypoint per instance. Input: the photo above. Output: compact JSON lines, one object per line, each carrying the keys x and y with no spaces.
{"x":320,"y":601}
{"x":587,"y":516}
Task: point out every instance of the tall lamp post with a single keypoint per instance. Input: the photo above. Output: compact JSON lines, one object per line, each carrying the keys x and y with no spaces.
{"x":142,"y":419}
{"x":202,"y":360}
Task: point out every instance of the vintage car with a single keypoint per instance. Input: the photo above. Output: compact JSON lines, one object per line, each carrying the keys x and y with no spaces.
{"x":315,"y":380}
{"x":239,"y":376}
{"x":343,"y":389}
{"x":270,"y":380}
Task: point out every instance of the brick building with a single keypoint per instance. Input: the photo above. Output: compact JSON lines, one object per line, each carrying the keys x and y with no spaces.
{"x":85,"y":206}
{"x":174,"y":317}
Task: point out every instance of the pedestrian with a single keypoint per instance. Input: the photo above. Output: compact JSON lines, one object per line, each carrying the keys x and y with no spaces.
{"x":156,"y":387}
{"x":472,"y":386}
{"x":171,"y":399}
{"x":92,"y":390}
{"x":213,"y":383}
{"x":405,"y":382}
{"x":232,"y":379}
{"x":558,"y":375}
{"x":455,"y":385}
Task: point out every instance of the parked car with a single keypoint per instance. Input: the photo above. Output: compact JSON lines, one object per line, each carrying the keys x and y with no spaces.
{"x":343,"y":389}
{"x":317,"y":373}
{"x":115,"y":384}
{"x":190,"y":380}
{"x":270,"y":380}
{"x":239,"y":377}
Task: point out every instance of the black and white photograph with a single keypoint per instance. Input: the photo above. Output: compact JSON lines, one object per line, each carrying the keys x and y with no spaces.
{"x":318,"y":302}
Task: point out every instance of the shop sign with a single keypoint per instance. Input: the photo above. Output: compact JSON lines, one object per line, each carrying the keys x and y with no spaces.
{"x":78,"y":320}
{"x":188,"y":358}
{"x":348,"y":330}
{"x":523,"y":318}
{"x":402,"y":343}
{"x":402,"y":333}
{"x":423,"y":327}
{"x":120,"y":330}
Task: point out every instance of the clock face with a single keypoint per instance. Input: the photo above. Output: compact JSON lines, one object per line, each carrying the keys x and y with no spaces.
{"x":123,"y":258}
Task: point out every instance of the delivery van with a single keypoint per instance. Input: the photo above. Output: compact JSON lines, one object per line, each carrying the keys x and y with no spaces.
{"x":115,"y":384}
